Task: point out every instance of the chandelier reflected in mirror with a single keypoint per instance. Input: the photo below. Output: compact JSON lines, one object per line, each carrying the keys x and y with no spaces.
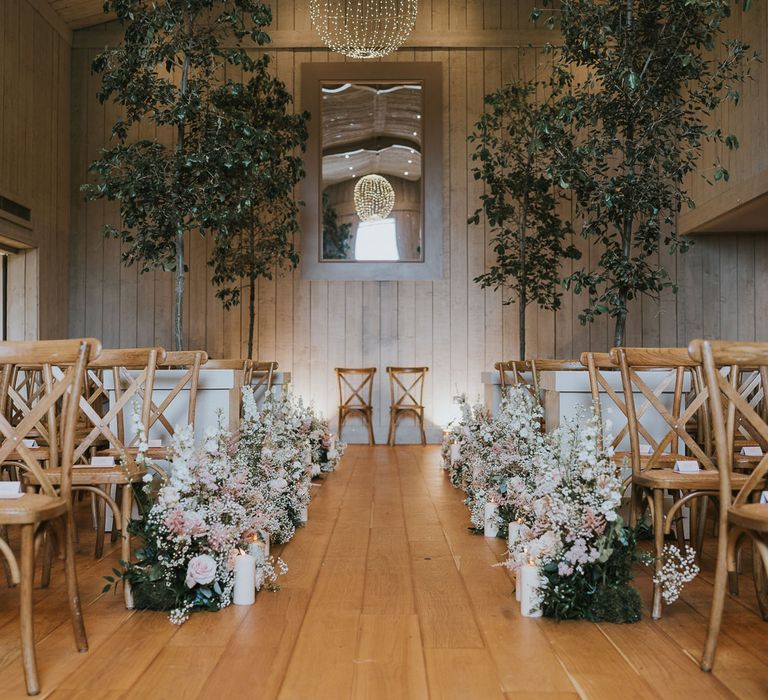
{"x":363,"y":28}
{"x":374,"y":198}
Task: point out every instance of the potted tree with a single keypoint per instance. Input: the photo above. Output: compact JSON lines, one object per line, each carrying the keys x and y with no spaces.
{"x":638,"y":113}
{"x":516,"y":140}
{"x":257,"y":167}
{"x":164,"y":71}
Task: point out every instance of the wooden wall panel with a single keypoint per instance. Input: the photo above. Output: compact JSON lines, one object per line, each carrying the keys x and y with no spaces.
{"x":34,"y":164}
{"x":450,"y":325}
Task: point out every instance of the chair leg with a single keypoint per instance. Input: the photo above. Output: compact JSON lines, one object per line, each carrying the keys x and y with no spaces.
{"x":423,"y":432}
{"x":25,"y":610}
{"x":718,"y":600}
{"x":392,"y":428}
{"x":761,"y":581}
{"x":701,"y":524}
{"x":45,"y":577}
{"x":732,"y":559}
{"x":73,"y":592}
{"x":658,"y":542}
{"x":6,"y":565}
{"x":101,"y":511}
{"x":126,"y":505}
{"x":369,"y":419}
{"x":341,"y":422}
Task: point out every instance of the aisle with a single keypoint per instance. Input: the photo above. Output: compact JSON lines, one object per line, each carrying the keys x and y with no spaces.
{"x":388,"y":596}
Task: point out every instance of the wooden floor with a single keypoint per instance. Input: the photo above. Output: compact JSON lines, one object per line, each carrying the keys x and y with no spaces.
{"x":388,"y":596}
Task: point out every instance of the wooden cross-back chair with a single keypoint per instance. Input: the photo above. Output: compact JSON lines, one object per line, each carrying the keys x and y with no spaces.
{"x":406,"y":392}
{"x":740,"y":509}
{"x":51,"y":508}
{"x":133,"y":374}
{"x":260,"y":376}
{"x":653,"y":474}
{"x":356,"y":396}
{"x":188,"y":363}
{"x":24,"y":385}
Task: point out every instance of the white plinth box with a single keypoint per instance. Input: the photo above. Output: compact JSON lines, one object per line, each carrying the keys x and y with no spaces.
{"x":218,"y":390}
{"x":564,"y":392}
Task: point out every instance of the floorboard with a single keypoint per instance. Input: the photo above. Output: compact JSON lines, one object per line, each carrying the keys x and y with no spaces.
{"x":388,"y":595}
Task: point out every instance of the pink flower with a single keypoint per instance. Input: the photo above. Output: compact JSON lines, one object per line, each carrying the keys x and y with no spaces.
{"x":201,"y":570}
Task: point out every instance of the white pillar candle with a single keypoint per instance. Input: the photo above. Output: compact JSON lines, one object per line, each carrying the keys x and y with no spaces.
{"x":529,"y":580}
{"x":303,"y":514}
{"x":455,"y":452}
{"x":518,"y":585}
{"x":245,"y":580}
{"x":491,"y":520}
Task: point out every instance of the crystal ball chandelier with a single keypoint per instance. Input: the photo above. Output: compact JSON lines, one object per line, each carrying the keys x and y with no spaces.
{"x":374,"y":198}
{"x":363,"y":28}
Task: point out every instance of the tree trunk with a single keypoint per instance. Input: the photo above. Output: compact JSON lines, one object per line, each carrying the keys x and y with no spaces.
{"x":626,"y":230}
{"x":178,"y":292}
{"x":522,"y":283}
{"x":251,"y":315}
{"x":252,"y":291}
{"x":179,"y":274}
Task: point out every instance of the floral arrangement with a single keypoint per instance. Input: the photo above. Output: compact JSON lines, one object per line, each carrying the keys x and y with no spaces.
{"x":193,"y":526}
{"x":561,"y":492}
{"x":275,"y":451}
{"x":216,"y":498}
{"x":492,"y":450}
{"x":325,"y":450}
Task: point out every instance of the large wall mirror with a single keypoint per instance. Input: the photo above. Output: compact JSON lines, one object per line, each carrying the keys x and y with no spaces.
{"x":373,"y":191}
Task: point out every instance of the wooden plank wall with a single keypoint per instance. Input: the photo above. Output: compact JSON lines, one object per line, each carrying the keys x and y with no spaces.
{"x":450,"y":325}
{"x":748,"y":165}
{"x":34,"y":164}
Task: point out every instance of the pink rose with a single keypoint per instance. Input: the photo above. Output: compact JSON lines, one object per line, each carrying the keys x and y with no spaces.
{"x":201,"y":570}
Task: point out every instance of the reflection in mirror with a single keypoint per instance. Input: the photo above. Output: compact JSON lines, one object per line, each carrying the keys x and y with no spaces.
{"x":371,"y":141}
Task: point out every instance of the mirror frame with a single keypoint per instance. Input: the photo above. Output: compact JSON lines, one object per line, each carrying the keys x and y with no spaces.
{"x":431,"y":267}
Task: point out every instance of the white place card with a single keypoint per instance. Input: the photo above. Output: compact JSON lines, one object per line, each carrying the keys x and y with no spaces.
{"x":29,"y":442}
{"x":155,"y":442}
{"x":686,"y":466}
{"x":751,"y":451}
{"x":102,"y":462}
{"x":646,"y":449}
{"x":10,"y":489}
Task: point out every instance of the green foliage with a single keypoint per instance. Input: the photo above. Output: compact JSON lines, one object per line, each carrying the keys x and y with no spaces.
{"x":255,"y":142}
{"x":604,"y":593}
{"x":646,"y":80}
{"x":516,"y":140}
{"x":336,"y":236}
{"x":163,"y":75}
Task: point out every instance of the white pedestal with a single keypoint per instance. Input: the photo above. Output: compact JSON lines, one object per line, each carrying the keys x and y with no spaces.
{"x":492,"y":388}
{"x":218,"y":390}
{"x":564,"y":392}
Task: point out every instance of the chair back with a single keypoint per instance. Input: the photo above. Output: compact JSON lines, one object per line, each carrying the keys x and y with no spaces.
{"x":260,"y":376}
{"x":132,"y":376}
{"x":59,"y":392}
{"x":731,"y":408}
{"x":355,"y":387}
{"x":512,"y":373}
{"x":406,"y":386}
{"x":642,"y":403}
{"x":189,"y":362}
